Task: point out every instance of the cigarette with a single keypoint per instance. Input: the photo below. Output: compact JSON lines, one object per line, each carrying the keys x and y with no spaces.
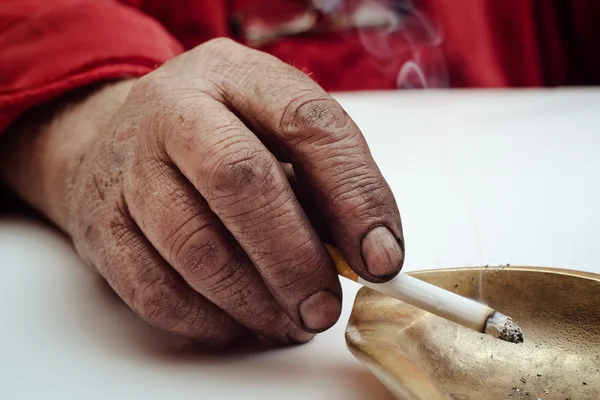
{"x":433,"y":299}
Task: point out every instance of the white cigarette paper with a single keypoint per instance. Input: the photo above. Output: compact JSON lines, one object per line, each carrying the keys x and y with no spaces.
{"x":435,"y":300}
{"x":443,"y":303}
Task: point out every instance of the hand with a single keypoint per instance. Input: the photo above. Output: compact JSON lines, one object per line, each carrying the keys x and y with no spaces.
{"x":177,"y":188}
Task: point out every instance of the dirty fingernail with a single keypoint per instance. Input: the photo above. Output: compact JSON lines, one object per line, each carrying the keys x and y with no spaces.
{"x":381,"y":252}
{"x":297,"y":335}
{"x":320,"y":311}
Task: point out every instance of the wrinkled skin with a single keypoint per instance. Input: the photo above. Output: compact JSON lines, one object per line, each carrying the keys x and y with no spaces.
{"x":192,"y":190}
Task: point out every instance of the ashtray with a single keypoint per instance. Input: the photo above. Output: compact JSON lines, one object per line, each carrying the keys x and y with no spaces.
{"x":419,"y":356}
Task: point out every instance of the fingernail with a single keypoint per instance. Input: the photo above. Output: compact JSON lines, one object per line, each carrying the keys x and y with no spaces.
{"x":381,"y":252}
{"x":297,"y":335}
{"x":320,"y":311}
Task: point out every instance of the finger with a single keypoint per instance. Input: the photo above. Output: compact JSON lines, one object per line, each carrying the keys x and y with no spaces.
{"x":189,"y":236}
{"x":154,"y":291}
{"x":244,"y":186}
{"x":328,"y":152}
{"x":314,"y":215}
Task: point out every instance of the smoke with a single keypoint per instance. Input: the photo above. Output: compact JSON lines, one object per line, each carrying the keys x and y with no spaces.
{"x":401,"y":39}
{"x":411,"y":76}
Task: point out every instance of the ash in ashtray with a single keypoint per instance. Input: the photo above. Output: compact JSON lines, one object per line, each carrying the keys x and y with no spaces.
{"x":503,"y":327}
{"x":519,"y":393}
{"x":511,"y":332}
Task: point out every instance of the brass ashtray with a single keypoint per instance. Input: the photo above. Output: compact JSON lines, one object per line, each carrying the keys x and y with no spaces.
{"x":417,"y":355}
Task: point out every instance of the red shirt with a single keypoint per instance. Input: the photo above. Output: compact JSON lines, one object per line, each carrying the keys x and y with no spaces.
{"x":49,"y":47}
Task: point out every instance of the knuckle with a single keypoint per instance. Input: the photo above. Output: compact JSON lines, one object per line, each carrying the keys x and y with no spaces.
{"x":364,"y":199}
{"x":317,"y":112}
{"x":146,"y":87}
{"x":238,"y":170}
{"x":228,"y":58}
{"x":322,"y":117}
{"x":231,"y":280}
{"x":271,"y":321}
{"x":228,"y":50}
{"x":223,"y":274}
{"x":173,"y":236}
{"x":165,"y":99}
{"x":284,"y":79}
{"x":294,"y":75}
{"x":198,"y":257}
{"x":151,"y":107}
{"x":356,"y":180}
{"x":184,"y":231}
{"x":163,"y":308}
{"x":142,"y":171}
{"x":123,"y":231}
{"x":154,"y":301}
{"x":303,"y":268}
{"x":223,"y":44}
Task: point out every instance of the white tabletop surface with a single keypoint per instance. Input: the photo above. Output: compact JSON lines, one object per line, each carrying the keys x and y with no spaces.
{"x":480,"y":178}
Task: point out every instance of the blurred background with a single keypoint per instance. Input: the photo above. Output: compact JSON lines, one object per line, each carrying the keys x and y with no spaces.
{"x":375,"y":44}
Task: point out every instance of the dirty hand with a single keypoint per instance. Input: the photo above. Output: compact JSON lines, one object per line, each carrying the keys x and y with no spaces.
{"x":183,"y":190}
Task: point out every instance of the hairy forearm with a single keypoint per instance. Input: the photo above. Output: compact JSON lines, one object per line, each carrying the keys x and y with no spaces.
{"x":42,"y":150}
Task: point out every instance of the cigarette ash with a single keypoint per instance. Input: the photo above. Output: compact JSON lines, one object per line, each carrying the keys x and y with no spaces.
{"x":503,"y":328}
{"x":511,"y":332}
{"x":498,"y":268}
{"x":519,"y":393}
{"x":523,"y":393}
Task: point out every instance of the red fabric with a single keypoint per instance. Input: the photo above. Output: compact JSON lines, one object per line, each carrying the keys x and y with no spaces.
{"x":50,"y":47}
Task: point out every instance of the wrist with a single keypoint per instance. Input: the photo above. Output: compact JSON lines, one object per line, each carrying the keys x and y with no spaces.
{"x":43,"y":149}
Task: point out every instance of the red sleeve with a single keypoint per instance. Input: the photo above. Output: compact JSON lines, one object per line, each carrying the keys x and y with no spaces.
{"x":50,"y":47}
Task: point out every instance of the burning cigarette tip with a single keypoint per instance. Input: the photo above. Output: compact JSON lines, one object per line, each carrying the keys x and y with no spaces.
{"x":504,"y":328}
{"x":511,"y":332}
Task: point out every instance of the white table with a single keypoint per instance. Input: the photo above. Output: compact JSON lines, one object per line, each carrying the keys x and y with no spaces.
{"x":480,"y":177}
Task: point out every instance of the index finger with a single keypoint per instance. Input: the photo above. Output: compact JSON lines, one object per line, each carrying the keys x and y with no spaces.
{"x":307,"y":127}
